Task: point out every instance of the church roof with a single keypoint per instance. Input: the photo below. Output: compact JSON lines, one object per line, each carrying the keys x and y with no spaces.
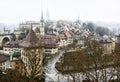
{"x":31,"y":40}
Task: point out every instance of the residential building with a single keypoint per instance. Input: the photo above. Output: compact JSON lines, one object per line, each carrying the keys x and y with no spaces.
{"x":10,"y":47}
{"x":49,"y":43}
{"x":50,"y":47}
{"x":118,"y":38}
{"x":3,"y":62}
{"x":65,"y":38}
{"x":108,"y":46}
{"x":20,"y":53}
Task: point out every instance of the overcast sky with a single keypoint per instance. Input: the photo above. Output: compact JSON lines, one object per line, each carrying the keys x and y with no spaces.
{"x":16,"y":11}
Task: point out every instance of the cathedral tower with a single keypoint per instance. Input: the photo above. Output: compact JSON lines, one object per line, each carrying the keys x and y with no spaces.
{"x":42,"y":24}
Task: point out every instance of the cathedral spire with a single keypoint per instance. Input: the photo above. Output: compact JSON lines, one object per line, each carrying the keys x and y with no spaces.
{"x":47,"y":15}
{"x":42,"y":20}
{"x":42,"y":23}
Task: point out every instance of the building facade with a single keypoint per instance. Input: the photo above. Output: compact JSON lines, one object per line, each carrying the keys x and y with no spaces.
{"x":38,"y":27}
{"x":3,"y":62}
{"x":108,"y":46}
{"x":31,"y":55}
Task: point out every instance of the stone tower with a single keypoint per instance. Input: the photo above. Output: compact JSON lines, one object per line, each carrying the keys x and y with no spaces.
{"x":32,"y":54}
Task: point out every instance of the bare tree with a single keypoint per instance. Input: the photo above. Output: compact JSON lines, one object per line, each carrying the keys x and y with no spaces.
{"x":90,"y":62}
{"x":33,"y":65}
{"x":117,"y":61}
{"x":101,"y":67}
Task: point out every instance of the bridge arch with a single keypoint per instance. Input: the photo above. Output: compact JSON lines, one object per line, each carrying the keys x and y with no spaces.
{"x":5,"y":39}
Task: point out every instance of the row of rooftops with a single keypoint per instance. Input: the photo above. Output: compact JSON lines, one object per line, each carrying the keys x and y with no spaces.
{"x":109,"y":40}
{"x":35,"y":40}
{"x":64,"y":35}
{"x":31,"y":40}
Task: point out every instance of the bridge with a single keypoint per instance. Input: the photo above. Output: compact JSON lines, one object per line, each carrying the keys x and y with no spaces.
{"x":5,"y":38}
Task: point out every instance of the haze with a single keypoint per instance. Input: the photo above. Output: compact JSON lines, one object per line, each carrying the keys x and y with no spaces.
{"x":16,"y":11}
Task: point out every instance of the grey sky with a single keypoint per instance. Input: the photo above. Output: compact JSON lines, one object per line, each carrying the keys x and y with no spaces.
{"x":15,"y":11}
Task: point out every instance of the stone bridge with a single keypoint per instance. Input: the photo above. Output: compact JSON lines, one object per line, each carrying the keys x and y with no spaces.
{"x":5,"y":38}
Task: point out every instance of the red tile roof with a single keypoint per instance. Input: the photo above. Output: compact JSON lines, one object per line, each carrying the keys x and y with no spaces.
{"x":64,"y":35}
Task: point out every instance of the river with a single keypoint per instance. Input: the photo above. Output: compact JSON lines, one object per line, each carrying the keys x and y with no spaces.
{"x":51,"y":72}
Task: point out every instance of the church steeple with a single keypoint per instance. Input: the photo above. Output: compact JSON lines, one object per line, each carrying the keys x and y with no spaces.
{"x":42,"y":25}
{"x":47,"y":15}
{"x":41,"y":20}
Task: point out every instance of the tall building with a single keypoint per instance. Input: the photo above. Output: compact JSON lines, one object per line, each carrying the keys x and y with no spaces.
{"x":42,"y":24}
{"x":32,"y":54}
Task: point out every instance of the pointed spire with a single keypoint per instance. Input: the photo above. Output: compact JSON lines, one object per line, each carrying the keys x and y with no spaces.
{"x":42,"y":20}
{"x":47,"y":15}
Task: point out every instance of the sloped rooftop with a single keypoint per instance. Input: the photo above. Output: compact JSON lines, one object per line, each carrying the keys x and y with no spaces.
{"x":31,"y":40}
{"x":3,"y":58}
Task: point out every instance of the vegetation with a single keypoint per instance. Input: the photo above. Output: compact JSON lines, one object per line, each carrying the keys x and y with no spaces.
{"x":97,"y":29}
{"x":15,"y":76}
{"x":117,"y":61}
{"x":90,"y":63}
{"x":12,"y":76}
{"x":32,"y":71}
{"x":34,"y":62}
